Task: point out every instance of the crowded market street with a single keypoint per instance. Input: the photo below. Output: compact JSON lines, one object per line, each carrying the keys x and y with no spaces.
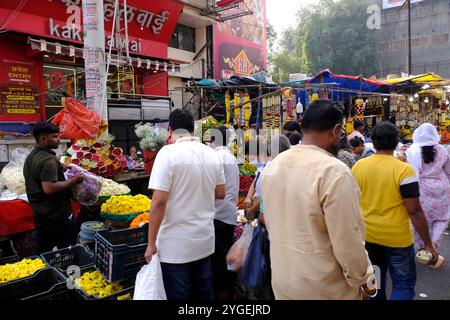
{"x":226,"y":154}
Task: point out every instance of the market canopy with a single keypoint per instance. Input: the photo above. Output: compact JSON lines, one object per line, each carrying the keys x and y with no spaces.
{"x":356,"y":83}
{"x":415,"y":84}
{"x":423,"y":78}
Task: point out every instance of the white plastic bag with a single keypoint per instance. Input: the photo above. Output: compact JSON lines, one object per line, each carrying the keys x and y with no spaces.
{"x":11,"y":176}
{"x":238,"y":251}
{"x":149,"y":282}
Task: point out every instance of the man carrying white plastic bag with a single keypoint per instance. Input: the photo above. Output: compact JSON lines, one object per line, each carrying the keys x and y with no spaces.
{"x":149,"y":282}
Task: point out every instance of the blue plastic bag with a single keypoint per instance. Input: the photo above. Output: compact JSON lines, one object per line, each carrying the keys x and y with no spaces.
{"x":254,"y":270}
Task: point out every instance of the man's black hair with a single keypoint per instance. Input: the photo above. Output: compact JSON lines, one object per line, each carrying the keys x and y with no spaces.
{"x":385,"y":136}
{"x":322,"y":115}
{"x":292,"y":126}
{"x":181,"y":119}
{"x":222,"y":133}
{"x":358,"y":124}
{"x":356,"y":142}
{"x":294,"y":138}
{"x":44,"y":128}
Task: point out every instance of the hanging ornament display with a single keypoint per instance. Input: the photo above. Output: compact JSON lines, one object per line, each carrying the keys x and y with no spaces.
{"x":360,"y":106}
{"x":349,"y":125}
{"x":288,"y":105}
{"x":228,"y":108}
{"x":247,"y":110}
{"x":277,"y":108}
{"x":266,"y":112}
{"x":237,"y":111}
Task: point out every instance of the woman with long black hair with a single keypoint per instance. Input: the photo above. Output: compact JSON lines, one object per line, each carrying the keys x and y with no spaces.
{"x":431,"y":162}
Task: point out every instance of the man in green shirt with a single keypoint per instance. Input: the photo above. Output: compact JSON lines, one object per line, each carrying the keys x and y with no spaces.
{"x":48,"y":191}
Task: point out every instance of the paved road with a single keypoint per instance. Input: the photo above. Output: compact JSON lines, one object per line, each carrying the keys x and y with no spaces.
{"x":434,"y":284}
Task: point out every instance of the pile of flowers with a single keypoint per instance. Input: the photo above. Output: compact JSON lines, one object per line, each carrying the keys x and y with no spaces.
{"x":112,"y":188}
{"x":26,"y":267}
{"x":151,"y":137}
{"x":12,"y":178}
{"x":100,"y":158}
{"x":140,"y":220}
{"x":126,"y":205}
{"x":94,"y":284}
{"x":244,"y":183}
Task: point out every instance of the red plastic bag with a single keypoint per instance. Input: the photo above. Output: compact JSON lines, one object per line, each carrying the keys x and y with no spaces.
{"x":76,"y":122}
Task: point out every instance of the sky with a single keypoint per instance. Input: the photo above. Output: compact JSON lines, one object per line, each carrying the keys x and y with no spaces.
{"x":282,"y":13}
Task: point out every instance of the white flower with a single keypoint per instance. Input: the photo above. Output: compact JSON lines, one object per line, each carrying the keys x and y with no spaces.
{"x":12,"y":177}
{"x":111,"y":188}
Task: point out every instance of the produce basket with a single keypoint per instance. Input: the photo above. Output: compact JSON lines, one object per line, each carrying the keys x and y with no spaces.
{"x":17,"y":259}
{"x":45,"y":284}
{"x":125,"y":294}
{"x":119,"y":220}
{"x":119,"y":217}
{"x":72,"y":256}
{"x":119,"y":254}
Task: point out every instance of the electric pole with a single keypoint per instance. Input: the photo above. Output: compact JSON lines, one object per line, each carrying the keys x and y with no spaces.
{"x":94,"y":55}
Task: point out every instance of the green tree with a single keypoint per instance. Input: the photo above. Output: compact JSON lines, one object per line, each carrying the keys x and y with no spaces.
{"x":271,"y":37}
{"x":331,"y":34}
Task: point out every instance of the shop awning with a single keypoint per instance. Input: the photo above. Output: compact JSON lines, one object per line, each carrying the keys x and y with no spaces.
{"x":155,"y":65}
{"x":423,"y":78}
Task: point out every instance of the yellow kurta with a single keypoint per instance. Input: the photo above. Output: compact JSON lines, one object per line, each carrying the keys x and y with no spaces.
{"x":311,"y":210}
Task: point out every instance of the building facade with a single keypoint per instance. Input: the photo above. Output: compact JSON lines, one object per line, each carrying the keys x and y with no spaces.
{"x":430,"y":21}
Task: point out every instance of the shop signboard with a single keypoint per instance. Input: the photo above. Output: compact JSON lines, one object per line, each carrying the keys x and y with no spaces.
{"x":18,"y":72}
{"x":150,"y":23}
{"x":240,"y":43}
{"x":388,"y":4}
{"x":15,"y":100}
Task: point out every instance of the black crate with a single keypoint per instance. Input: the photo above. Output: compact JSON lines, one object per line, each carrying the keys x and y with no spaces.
{"x":128,"y":288}
{"x":10,"y":259}
{"x":119,"y":255}
{"x":90,"y":246}
{"x":73,"y":256}
{"x":45,"y":284}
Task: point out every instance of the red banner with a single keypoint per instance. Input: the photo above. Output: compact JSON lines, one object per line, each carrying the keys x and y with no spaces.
{"x":240,"y":44}
{"x":150,"y":23}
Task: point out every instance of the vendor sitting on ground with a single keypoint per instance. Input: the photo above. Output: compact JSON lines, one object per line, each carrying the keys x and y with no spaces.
{"x":359,"y":149}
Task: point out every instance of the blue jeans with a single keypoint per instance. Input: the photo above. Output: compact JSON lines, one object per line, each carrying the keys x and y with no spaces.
{"x":402,"y":267}
{"x":188,"y":281}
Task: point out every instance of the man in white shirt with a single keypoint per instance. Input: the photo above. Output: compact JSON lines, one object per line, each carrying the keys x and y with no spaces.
{"x":359,"y":130}
{"x":225,"y":220}
{"x":186,"y":179}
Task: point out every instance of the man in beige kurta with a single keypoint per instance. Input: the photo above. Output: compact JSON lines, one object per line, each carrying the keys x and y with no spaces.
{"x":311,"y":209}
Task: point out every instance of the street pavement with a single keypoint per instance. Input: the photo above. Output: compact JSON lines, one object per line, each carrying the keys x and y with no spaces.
{"x":433,"y":284}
